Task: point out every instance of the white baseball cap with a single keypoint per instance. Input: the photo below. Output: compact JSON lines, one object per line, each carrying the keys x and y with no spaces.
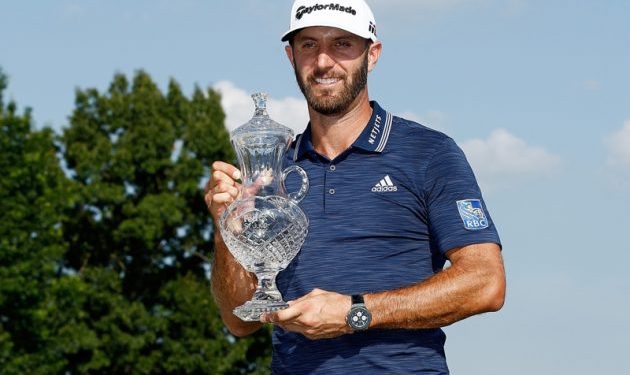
{"x":354,"y":16}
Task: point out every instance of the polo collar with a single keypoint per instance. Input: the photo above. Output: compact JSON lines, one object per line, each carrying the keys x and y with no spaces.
{"x":376,"y":133}
{"x":373,"y":138}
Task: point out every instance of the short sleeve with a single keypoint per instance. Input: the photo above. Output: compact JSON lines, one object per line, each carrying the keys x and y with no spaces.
{"x":457,"y":213}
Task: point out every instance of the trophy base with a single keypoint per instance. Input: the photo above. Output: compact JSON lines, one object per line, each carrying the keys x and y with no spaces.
{"x":251,"y":311}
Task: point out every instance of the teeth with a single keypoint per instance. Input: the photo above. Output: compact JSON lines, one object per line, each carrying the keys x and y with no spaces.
{"x":326,"y":81}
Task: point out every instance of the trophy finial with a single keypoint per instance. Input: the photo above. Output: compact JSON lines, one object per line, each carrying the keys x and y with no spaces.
{"x":260,"y":101}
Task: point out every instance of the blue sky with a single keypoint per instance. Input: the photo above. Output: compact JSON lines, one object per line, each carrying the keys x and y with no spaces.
{"x":536,"y":92}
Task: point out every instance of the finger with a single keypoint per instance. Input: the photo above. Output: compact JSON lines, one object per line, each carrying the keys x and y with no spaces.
{"x":281,"y":317}
{"x":208,"y":198}
{"x":222,"y":198}
{"x":228,"y":169}
{"x":221,"y":177}
{"x":224,"y":187}
{"x":288,"y":314}
{"x":271,"y":317}
{"x":208,"y":186}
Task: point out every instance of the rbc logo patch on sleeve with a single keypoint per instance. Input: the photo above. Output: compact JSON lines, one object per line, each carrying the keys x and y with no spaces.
{"x":472,"y":214}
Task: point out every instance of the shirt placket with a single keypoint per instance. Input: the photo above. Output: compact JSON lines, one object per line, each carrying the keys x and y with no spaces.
{"x":331,"y":188}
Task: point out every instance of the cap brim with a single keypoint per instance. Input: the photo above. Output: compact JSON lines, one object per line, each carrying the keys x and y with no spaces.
{"x":289,"y":35}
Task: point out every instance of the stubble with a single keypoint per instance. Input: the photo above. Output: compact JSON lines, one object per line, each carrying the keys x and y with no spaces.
{"x":334,"y":104}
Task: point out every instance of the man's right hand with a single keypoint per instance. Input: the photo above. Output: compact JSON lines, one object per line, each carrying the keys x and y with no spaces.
{"x":231,"y":284}
{"x":222,"y":188}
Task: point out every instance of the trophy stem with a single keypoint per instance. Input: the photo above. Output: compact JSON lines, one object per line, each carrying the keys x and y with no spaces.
{"x":267,"y":290}
{"x":267,"y":298}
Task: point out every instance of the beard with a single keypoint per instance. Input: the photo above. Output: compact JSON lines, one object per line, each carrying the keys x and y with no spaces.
{"x":329,"y":104}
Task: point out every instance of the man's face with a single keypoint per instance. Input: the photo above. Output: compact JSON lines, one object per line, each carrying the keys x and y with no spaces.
{"x":331,"y":67}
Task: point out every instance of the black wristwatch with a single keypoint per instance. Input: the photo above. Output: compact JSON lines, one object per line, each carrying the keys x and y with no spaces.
{"x":359,"y":317}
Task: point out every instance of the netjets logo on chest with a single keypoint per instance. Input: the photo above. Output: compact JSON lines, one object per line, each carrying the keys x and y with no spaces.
{"x":386,"y":185}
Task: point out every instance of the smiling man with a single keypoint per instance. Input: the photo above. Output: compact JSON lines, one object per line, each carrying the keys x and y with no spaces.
{"x":391,"y":201}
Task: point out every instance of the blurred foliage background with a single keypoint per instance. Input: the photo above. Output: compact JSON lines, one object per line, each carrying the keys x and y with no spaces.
{"x":105,"y":239}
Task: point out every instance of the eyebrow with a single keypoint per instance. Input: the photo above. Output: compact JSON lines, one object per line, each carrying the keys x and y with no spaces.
{"x":306,"y":37}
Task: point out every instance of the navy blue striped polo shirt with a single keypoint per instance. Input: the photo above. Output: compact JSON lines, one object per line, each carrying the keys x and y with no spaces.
{"x":382,"y":215}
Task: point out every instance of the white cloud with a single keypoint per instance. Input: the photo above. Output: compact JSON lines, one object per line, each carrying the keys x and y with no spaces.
{"x":504,"y":158}
{"x":239,"y":108}
{"x":291,"y":112}
{"x":619,"y":146}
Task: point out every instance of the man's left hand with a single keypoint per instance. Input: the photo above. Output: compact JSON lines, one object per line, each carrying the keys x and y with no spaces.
{"x":317,"y":315}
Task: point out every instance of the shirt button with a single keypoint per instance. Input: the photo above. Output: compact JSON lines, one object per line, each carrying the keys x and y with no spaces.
{"x":331,"y":191}
{"x":332,"y":168}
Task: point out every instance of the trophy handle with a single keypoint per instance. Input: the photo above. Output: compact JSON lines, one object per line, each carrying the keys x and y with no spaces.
{"x":300,"y":194}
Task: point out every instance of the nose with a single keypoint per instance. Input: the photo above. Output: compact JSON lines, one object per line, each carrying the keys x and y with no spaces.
{"x":324,"y":60}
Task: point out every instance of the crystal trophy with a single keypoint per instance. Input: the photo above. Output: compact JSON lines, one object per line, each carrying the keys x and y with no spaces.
{"x":264,"y":228}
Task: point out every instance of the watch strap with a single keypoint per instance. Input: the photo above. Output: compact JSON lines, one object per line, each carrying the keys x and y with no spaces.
{"x":357,"y":299}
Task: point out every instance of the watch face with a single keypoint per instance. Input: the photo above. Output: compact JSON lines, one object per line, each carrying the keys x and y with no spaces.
{"x":359,"y":318}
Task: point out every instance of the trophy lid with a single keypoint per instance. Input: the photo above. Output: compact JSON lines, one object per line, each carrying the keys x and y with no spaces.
{"x":261,"y":123}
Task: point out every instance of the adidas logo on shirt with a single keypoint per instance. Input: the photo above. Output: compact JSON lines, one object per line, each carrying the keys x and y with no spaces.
{"x":384,"y":186}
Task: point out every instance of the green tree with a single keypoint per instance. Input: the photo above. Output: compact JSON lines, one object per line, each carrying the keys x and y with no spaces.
{"x":135,"y":296}
{"x":33,"y":194}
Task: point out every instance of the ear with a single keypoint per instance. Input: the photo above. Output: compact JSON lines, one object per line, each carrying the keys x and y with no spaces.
{"x":374,"y":53}
{"x":289,"y":50}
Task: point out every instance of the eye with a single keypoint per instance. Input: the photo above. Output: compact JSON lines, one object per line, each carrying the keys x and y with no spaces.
{"x":309,"y":44}
{"x":343,"y":44}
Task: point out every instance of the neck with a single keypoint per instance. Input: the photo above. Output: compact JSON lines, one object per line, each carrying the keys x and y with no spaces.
{"x":333,"y":134}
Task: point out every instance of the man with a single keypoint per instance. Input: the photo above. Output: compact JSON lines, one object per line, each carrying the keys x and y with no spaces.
{"x":390,"y":202}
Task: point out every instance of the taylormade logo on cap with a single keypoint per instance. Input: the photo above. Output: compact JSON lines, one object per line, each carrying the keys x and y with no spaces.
{"x":354,"y":16}
{"x":338,"y":7}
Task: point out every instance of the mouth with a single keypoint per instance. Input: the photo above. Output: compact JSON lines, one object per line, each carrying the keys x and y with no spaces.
{"x":326,"y":81}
